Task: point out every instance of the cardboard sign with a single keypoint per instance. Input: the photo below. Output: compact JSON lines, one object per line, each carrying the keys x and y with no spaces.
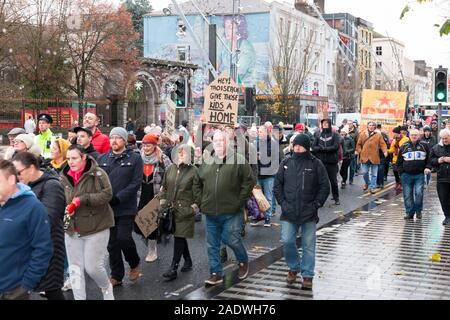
{"x":221,"y":101}
{"x":170,"y":116}
{"x":147,"y":217}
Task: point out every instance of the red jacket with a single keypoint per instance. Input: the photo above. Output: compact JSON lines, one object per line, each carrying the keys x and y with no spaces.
{"x":100,"y":142}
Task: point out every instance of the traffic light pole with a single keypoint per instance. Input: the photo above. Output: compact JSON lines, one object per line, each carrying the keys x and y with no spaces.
{"x":439,"y":119}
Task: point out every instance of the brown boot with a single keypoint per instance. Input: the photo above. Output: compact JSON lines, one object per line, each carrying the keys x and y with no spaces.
{"x":134,"y":274}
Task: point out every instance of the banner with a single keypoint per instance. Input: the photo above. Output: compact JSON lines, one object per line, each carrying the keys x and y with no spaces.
{"x":221,"y":101}
{"x":383,"y":107}
{"x":170,"y":116}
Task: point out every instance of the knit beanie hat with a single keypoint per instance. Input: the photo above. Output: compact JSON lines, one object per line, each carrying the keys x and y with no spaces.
{"x":150,"y":139}
{"x":27,"y":139}
{"x":119,"y":131}
{"x":302,"y":140}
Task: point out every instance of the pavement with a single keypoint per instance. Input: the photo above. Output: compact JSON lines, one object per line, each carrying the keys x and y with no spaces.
{"x":371,"y":253}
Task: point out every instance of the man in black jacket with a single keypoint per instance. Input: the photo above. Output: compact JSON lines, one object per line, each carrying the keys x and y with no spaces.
{"x":124,"y":168}
{"x":440,"y":160}
{"x":301,"y":188}
{"x":412,"y":163}
{"x":326,"y":147}
{"x":84,"y":139}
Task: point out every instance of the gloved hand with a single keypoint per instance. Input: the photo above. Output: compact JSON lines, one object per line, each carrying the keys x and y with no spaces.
{"x":114,"y":201}
{"x":71,"y":207}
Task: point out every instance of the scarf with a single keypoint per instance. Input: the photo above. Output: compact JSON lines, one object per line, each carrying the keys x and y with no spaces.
{"x":57,"y":166}
{"x":76,"y":175}
{"x":397,"y":144}
{"x":150,"y":161}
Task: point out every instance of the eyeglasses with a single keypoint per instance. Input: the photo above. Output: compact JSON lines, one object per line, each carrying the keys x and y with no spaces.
{"x":20,"y":171}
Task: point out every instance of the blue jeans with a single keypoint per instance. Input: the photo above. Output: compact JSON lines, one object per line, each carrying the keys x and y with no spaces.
{"x":224,"y":228}
{"x":380,"y":174}
{"x":353,"y":165}
{"x":267,"y":186}
{"x":372,"y":183}
{"x":413,"y":185}
{"x":307,"y":262}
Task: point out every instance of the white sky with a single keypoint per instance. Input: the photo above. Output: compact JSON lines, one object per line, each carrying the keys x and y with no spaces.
{"x":416,"y":30}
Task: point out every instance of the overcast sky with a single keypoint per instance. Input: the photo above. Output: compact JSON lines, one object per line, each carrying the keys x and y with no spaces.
{"x":416,"y":30}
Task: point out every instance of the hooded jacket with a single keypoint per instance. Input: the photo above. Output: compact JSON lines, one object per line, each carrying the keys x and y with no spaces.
{"x":49,"y":190}
{"x":301,"y":188}
{"x":100,"y":142}
{"x":25,"y":242}
{"x":326,"y":145}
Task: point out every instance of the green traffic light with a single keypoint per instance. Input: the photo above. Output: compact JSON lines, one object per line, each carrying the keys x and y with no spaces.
{"x":440,"y":96}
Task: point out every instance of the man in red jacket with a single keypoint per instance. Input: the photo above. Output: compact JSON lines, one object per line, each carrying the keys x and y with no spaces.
{"x":100,"y":141}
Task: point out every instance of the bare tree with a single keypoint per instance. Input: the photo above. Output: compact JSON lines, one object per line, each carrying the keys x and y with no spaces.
{"x":99,"y":45}
{"x":292,"y":59}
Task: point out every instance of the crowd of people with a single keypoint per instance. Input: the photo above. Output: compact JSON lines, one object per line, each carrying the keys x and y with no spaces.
{"x":71,"y":202}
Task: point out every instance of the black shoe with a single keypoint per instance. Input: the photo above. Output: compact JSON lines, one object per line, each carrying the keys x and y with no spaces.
{"x":187,"y":266}
{"x":170,"y":274}
{"x":337,"y":202}
{"x":408,"y":217}
{"x":419,"y":215}
{"x":343,"y":185}
{"x":446,"y":221}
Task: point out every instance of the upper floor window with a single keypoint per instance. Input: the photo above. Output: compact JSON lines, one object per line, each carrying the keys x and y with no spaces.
{"x":379,"y":51}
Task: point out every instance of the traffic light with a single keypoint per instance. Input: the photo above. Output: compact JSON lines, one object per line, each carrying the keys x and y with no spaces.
{"x":250,"y":103}
{"x":440,"y":84}
{"x":180,"y":93}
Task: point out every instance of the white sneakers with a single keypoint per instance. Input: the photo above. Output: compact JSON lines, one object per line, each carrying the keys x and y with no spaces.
{"x":152,"y":251}
{"x":108,"y":293}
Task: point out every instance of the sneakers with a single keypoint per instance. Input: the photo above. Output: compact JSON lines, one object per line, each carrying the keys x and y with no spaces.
{"x":134,"y":274}
{"x":408,"y":217}
{"x":243,"y":270}
{"x":337,"y":202}
{"x":214,"y":279}
{"x":255,"y":222}
{"x":115,"y":282}
{"x":108,"y":293}
{"x":291,"y":277}
{"x":152,"y":251}
{"x":365,"y":187}
{"x":267,"y":222}
{"x":67,"y":285}
{"x":419,"y":215}
{"x":373,"y":191}
{"x":307,"y":283}
{"x":446,"y":221}
{"x":343,"y":184}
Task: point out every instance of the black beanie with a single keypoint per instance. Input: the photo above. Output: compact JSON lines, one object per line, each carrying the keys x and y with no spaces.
{"x":302,"y":140}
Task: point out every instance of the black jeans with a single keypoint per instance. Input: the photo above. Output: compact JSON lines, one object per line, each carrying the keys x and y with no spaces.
{"x":443,"y":190}
{"x":332,"y":170}
{"x":121,"y":240}
{"x":180,"y":248}
{"x":344,"y":169}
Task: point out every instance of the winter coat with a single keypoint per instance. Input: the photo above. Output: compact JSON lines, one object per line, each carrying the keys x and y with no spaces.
{"x":368,"y":147}
{"x":354,"y":134}
{"x":125,"y":174}
{"x":443,"y":169}
{"x":430,"y":141}
{"x":94,"y":191}
{"x":301,"y":188}
{"x":92,"y":152}
{"x":49,"y":190}
{"x":25,"y":241}
{"x":348,"y":147}
{"x":395,"y":148}
{"x":326,"y":146}
{"x":100,"y":142}
{"x":180,"y":179}
{"x":224,"y":188}
{"x":413,"y":159}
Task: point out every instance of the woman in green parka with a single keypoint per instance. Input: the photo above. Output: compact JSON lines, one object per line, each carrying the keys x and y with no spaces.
{"x":176,"y":191}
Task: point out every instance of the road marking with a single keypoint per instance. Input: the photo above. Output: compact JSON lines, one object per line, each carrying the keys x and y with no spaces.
{"x":386,"y":188}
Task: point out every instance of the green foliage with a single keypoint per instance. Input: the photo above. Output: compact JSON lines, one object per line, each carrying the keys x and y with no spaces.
{"x":404,"y":11}
{"x":444,"y":29}
{"x":138,"y":9}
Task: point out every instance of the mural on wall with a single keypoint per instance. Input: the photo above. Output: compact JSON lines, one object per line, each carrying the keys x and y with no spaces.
{"x":251,"y":39}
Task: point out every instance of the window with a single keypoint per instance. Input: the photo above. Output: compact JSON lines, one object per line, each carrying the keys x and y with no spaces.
{"x":328,"y":68}
{"x":379,"y":51}
{"x":281,"y":25}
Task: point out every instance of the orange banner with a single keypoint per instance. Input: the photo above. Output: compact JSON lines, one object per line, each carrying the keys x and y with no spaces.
{"x":383,"y":107}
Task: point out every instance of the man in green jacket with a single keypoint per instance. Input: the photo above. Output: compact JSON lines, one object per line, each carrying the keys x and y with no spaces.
{"x":222,"y":187}
{"x":45,"y":137}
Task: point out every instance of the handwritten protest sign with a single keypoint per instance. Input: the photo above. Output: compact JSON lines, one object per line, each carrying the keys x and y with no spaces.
{"x":147,"y":217}
{"x":221,"y":101}
{"x":170,"y":116}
